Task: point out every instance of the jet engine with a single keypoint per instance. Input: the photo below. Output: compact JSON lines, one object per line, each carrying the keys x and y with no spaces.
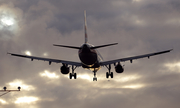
{"x":64,"y":69}
{"x":119,"y":68}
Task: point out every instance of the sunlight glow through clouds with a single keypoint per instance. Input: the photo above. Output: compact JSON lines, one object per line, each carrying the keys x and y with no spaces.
{"x":7,"y":21}
{"x":26,"y":100}
{"x":127,"y":78}
{"x":135,"y":86}
{"x":175,"y":21}
{"x":6,"y":18}
{"x":136,"y":0}
{"x":85,"y":76}
{"x":49,"y":75}
{"x":3,"y":101}
{"x":20,"y":83}
{"x":173,"y":66}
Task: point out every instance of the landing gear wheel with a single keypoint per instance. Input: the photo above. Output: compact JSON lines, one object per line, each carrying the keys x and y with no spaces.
{"x":107,"y":75}
{"x":75,"y":75}
{"x":94,"y":79}
{"x":70,"y":76}
{"x":111,"y":74}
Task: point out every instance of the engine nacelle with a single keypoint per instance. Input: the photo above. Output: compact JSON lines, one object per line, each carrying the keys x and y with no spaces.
{"x":64,"y":69}
{"x":119,"y":68}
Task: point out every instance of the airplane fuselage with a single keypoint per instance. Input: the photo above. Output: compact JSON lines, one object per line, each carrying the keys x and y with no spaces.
{"x":89,"y":57}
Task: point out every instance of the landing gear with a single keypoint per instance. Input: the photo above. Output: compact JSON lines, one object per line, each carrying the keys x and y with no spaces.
{"x":73,"y":74}
{"x":109,"y":73}
{"x":95,"y":78}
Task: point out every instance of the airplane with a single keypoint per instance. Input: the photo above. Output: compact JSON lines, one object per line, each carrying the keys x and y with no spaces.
{"x":90,"y":58}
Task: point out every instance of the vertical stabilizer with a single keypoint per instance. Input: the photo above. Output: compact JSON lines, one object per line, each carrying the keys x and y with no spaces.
{"x":85,"y":27}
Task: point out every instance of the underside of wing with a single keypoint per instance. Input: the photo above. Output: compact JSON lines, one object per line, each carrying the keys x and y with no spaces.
{"x":48,"y":59}
{"x":133,"y":58}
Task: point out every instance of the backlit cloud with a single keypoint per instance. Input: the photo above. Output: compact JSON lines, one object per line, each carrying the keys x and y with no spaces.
{"x":173,"y":66}
{"x":19,"y":83}
{"x":49,"y":75}
{"x":135,"y":86}
{"x":138,"y":26}
{"x":3,"y":101}
{"x":26,"y":99}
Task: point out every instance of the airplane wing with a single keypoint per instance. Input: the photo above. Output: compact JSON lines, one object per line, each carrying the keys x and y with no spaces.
{"x":48,"y":59}
{"x":104,"y":63}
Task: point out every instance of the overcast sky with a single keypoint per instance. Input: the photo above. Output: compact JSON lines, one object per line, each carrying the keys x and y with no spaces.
{"x":139,"y":26}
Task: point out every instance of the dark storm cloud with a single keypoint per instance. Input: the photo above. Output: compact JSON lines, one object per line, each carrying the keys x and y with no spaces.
{"x":139,"y":26}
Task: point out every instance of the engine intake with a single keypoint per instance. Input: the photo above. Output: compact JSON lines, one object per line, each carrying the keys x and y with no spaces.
{"x":119,"y":68}
{"x":64,"y":69}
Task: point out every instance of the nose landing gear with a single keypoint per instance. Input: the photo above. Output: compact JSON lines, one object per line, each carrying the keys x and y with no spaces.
{"x":95,"y":78}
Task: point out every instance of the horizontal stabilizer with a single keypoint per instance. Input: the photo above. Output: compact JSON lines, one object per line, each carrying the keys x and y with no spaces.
{"x":95,"y":47}
{"x":67,"y":46}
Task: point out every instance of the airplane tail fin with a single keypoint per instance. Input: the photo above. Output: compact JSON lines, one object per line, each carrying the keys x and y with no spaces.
{"x":85,"y":27}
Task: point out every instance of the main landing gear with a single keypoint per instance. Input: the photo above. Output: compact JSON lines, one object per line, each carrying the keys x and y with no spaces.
{"x":73,"y":74}
{"x":95,"y":78}
{"x":109,"y":73}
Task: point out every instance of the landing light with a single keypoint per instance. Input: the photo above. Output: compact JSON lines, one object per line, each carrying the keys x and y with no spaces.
{"x":28,"y":53}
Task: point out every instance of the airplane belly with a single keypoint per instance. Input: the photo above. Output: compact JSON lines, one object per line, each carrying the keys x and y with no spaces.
{"x":95,"y":67}
{"x":88,"y":59}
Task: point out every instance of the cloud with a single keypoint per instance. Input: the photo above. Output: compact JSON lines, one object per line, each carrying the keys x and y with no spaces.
{"x":139,"y":26}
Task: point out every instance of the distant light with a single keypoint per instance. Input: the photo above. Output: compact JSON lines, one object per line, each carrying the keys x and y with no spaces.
{"x":26,"y":100}
{"x":28,"y":53}
{"x":49,"y":75}
{"x":45,"y":54}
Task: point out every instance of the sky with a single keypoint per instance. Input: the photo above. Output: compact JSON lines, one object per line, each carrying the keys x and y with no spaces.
{"x":138,"y":26}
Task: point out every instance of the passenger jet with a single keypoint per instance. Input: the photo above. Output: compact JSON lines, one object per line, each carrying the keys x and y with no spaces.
{"x":90,"y":58}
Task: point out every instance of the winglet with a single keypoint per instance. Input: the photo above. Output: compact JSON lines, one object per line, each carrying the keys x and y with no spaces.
{"x":85,"y":27}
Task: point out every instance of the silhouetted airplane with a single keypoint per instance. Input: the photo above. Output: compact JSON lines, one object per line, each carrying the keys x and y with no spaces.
{"x":90,"y":58}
